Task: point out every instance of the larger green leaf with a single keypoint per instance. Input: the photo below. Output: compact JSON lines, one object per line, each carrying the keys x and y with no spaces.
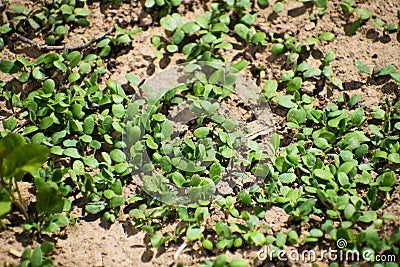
{"x":61,"y":30}
{"x":258,"y":238}
{"x":201,"y":132}
{"x":275,"y":142}
{"x":286,"y":101}
{"x":117,"y":201}
{"x":287,"y":178}
{"x":258,"y":37}
{"x":5,"y":203}
{"x":48,"y":86}
{"x":123,"y":38}
{"x":215,"y":170}
{"x":194,"y":232}
{"x":117,"y":155}
{"x":72,"y":152}
{"x":270,"y":88}
{"x":38,"y":73}
{"x":349,"y":211}
{"x":326,"y":36}
{"x":48,"y":198}
{"x":37,"y":257}
{"x":363,"y":13}
{"x":323,"y":174}
{"x":168,"y":23}
{"x":190,"y":27}
{"x":242,"y":30}
{"x":313,"y":72}
{"x":81,"y":11}
{"x":8,"y":144}
{"x":24,"y":158}
{"x":88,"y":125}
{"x":239,"y":66}
{"x":6,"y":66}
{"x":95,"y":207}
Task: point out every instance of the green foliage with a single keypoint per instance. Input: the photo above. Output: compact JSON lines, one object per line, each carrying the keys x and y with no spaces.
{"x":363,"y":15}
{"x":250,"y":34}
{"x":392,"y":27}
{"x":123,"y":37}
{"x":165,"y":6}
{"x":322,"y":6}
{"x":17,"y":158}
{"x":340,"y":165}
{"x":52,"y":14}
{"x":194,"y":162}
{"x":384,"y":71}
{"x":36,"y":257}
{"x":208,"y":39}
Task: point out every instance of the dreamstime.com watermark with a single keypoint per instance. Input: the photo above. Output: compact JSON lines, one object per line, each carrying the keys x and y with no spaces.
{"x":331,"y":254}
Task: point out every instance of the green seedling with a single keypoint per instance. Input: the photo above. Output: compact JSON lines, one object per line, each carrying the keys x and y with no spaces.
{"x":36,"y":257}
{"x":347,"y":6}
{"x":363,"y":14}
{"x":384,"y":71}
{"x":387,"y":28}
{"x":165,"y":6}
{"x":54,"y":14}
{"x":49,"y":200}
{"x":238,"y":5}
{"x":17,"y":158}
{"x":325,"y":36}
{"x":322,"y":6}
{"x":211,"y":30}
{"x":294,"y":83}
{"x":278,"y":6}
{"x":229,"y":204}
{"x":286,"y":44}
{"x":122,"y":37}
{"x":4,"y":29}
{"x":250,"y":35}
{"x":335,"y":163}
{"x":263,"y":3}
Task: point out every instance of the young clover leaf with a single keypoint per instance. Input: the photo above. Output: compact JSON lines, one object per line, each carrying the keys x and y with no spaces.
{"x":362,"y":67}
{"x":171,"y":22}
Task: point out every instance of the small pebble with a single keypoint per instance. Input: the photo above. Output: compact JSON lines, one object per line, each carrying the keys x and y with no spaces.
{"x":15,"y":253}
{"x":309,"y":27}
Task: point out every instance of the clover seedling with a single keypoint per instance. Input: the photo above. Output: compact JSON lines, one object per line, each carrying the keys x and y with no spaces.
{"x":36,"y":257}
{"x":56,"y":13}
{"x":122,"y":37}
{"x":17,"y":158}
{"x":386,"y":70}
{"x":364,"y":15}
{"x":387,"y":28}
{"x":286,"y":44}
{"x":321,"y":4}
{"x":250,"y":35}
{"x":325,"y":36}
{"x":278,"y":6}
{"x":164,"y":5}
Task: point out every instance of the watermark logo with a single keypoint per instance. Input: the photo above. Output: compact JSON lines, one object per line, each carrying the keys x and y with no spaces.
{"x":339,"y":253}
{"x":341,"y":243}
{"x":198,"y":130}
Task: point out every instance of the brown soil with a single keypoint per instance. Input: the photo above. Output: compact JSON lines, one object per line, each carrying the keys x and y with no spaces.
{"x":92,"y":243}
